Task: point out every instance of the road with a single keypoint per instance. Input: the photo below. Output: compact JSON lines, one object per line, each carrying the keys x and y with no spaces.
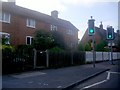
{"x":110,"y":79}
{"x":64,"y":77}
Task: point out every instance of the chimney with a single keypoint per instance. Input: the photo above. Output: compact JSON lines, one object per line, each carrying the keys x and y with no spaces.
{"x":101,"y":25}
{"x":12,"y":1}
{"x":54,"y":14}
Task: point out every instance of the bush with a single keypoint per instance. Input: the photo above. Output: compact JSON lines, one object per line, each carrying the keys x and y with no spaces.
{"x":7,"y":48}
{"x":7,"y":58}
{"x":56,"y":49}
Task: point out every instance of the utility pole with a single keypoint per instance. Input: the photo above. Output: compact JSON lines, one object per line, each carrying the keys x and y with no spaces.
{"x":111,"y":54}
{"x":110,"y":37}
{"x":91,"y":32}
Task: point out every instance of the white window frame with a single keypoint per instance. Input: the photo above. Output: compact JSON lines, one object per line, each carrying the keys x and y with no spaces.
{"x":30,"y":23}
{"x":53,"y":28}
{"x":30,"y":40}
{"x":5,"y":17}
{"x":70,"y":32}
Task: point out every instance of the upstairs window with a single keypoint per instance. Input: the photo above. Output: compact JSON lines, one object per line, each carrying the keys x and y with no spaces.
{"x":70,"y":32}
{"x":31,"y":23}
{"x":53,"y":28}
{"x":29,"y":40}
{"x":5,"y":17}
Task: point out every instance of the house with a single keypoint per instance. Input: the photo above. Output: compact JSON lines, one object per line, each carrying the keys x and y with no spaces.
{"x":22,"y":23}
{"x":100,"y":35}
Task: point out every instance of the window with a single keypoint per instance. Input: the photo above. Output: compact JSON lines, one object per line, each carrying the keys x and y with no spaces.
{"x":29,"y":40}
{"x":5,"y":17}
{"x":70,"y":32}
{"x":5,"y":38}
{"x":31,"y":23}
{"x":53,"y":28}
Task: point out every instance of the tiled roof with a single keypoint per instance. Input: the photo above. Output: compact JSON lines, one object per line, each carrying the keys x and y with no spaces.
{"x":11,"y":7}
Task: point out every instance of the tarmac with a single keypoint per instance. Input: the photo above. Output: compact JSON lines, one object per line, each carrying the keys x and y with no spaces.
{"x":61,"y":78}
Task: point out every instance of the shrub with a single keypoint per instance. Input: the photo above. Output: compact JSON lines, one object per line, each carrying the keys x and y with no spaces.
{"x":56,"y":49}
{"x":25,"y":48}
{"x":7,"y":48}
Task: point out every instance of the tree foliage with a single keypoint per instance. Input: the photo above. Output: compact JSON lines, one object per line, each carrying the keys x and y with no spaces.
{"x":81,"y":47}
{"x":101,"y":46}
{"x":87,"y":47}
{"x":43,"y":40}
{"x":58,"y":39}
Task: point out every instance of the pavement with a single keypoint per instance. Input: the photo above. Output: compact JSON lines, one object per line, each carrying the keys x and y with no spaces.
{"x":62,"y":78}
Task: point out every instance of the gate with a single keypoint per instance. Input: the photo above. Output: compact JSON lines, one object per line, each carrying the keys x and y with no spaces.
{"x":41,"y":59}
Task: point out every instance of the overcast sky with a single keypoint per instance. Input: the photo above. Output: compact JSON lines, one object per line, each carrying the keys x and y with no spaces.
{"x":78,"y":11}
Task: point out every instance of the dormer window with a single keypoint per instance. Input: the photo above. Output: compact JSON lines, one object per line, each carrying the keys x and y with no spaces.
{"x":31,"y":23}
{"x":53,"y":28}
{"x":5,"y":17}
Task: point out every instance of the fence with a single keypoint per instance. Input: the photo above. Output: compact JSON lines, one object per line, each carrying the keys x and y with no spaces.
{"x":17,"y":62}
{"x":102,"y":56}
{"x":58,"y":59}
{"x":13,"y":62}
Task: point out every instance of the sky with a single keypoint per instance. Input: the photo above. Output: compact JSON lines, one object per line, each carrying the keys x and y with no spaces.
{"x":78,"y":11}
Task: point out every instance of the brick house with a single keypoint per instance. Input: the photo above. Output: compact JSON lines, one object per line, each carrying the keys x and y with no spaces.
{"x":21,"y":24}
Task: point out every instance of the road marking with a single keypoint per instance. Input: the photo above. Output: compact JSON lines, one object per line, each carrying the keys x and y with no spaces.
{"x":59,"y":86}
{"x":94,"y":84}
{"x":115,"y":72}
{"x":108,"y":76}
{"x":89,"y":86}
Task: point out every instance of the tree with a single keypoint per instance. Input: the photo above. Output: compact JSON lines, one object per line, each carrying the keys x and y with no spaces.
{"x":87,"y":47}
{"x":101,"y":45}
{"x":58,"y":39}
{"x":43,"y":40}
{"x":81,"y":47}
